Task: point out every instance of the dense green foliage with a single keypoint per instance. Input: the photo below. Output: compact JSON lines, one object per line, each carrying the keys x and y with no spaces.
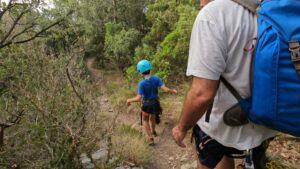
{"x":166,"y":44}
{"x":119,"y":44}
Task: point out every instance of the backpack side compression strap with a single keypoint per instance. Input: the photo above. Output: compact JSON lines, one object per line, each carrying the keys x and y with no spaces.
{"x":249,"y":4}
{"x":294,"y":47}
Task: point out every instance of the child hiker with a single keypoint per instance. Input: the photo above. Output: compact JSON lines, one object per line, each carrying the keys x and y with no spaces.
{"x":148,"y":93}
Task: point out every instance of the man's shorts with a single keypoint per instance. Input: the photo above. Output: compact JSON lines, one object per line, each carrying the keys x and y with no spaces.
{"x":211,"y":152}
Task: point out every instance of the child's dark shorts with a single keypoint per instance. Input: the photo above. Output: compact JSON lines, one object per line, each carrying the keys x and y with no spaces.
{"x":152,"y":107}
{"x":210,"y":152}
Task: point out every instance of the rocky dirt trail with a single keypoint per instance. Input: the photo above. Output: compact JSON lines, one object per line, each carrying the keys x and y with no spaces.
{"x":166,"y":154}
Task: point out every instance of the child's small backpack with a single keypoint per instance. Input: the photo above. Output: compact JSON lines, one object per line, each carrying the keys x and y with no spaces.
{"x":275,"y":100}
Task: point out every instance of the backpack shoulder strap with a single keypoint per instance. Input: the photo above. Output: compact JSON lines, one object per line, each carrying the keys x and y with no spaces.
{"x":249,"y":4}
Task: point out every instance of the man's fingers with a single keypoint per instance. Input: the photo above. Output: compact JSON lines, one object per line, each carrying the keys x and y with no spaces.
{"x":181,"y":144}
{"x":178,"y":137}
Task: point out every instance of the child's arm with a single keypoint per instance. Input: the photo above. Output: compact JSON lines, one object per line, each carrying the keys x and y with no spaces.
{"x":137,"y":98}
{"x":168,"y":90}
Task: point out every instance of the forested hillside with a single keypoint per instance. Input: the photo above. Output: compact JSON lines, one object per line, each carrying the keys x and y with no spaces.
{"x":54,"y":108}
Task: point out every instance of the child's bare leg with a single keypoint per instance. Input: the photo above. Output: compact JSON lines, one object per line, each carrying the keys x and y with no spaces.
{"x":153,"y":123}
{"x":146,"y":124}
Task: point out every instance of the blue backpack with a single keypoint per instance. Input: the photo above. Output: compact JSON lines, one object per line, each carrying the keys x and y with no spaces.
{"x":275,"y":100}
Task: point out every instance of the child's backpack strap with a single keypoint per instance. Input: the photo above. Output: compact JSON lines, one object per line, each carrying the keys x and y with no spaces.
{"x":249,"y":4}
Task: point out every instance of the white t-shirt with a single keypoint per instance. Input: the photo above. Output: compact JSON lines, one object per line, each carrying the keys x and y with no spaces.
{"x":220,"y":33}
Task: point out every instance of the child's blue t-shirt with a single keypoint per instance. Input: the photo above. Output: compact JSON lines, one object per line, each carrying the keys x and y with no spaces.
{"x":148,"y":88}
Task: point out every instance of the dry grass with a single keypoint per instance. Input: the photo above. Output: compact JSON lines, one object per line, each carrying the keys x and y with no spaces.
{"x":130,"y":146}
{"x":172,"y":104}
{"x":118,"y":89}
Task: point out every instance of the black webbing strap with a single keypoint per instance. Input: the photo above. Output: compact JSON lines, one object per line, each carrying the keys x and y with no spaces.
{"x":208,"y":112}
{"x":231,"y":89}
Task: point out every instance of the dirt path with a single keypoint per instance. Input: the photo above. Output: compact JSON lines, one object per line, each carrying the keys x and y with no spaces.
{"x":166,"y":154}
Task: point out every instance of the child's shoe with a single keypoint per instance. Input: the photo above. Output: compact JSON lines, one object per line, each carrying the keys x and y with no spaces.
{"x":151,"y":141}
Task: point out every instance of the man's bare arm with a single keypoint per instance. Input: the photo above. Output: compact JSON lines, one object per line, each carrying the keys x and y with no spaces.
{"x":198,"y":99}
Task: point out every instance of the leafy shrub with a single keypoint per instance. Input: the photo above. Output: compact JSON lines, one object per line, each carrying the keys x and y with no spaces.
{"x":120,"y":43}
{"x":51,"y":100}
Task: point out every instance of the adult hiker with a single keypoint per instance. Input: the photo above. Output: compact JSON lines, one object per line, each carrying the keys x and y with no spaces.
{"x":222,"y":31}
{"x":148,"y":93}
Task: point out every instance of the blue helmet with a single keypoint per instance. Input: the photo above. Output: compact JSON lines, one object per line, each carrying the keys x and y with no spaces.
{"x":143,"y":66}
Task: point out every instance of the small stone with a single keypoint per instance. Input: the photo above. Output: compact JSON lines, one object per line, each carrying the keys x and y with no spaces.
{"x":171,"y":158}
{"x":83,"y":155}
{"x":184,"y":158}
{"x":100,"y":156}
{"x":113,"y":160}
{"x":120,"y":167}
{"x":189,"y":166}
{"x":85,"y":160}
{"x":129,"y":163}
{"x":89,"y":166}
{"x":127,"y":167}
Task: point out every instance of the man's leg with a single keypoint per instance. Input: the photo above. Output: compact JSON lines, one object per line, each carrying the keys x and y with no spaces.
{"x":259,"y":154}
{"x":200,"y":166}
{"x":225,"y":163}
{"x":211,"y":154}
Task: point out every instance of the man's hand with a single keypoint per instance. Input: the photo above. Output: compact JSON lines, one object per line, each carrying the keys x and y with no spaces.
{"x":178,"y":136}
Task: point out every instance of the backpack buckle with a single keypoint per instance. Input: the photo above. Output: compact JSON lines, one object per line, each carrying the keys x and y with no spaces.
{"x":294,"y":47}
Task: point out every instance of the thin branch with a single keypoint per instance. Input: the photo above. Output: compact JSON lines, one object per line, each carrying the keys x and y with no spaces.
{"x":23,"y":31}
{"x":36,"y":35}
{"x":33,"y":37}
{"x":17,"y":118}
{"x":13,"y":26}
{"x":12,"y":121}
{"x":71,"y":82}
